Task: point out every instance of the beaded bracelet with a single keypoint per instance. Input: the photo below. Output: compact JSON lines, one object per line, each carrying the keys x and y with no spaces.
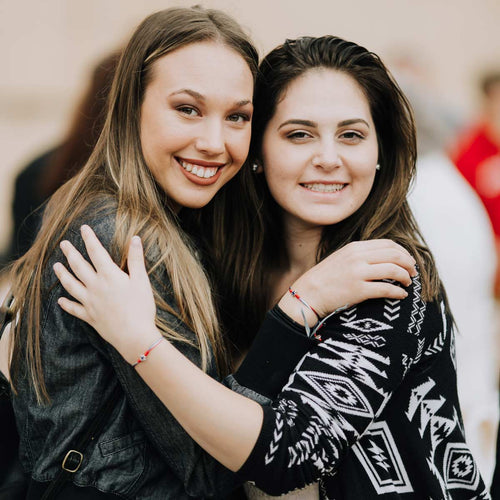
{"x":145,"y":355}
{"x":293,"y":293}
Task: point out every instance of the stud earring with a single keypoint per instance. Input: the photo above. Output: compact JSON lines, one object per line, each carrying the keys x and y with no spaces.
{"x":377,"y":167}
{"x":255,"y":167}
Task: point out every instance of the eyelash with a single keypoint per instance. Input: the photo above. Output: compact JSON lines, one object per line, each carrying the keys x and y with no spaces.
{"x":298,"y":134}
{"x":184,"y":109}
{"x":187,"y":110}
{"x":350,"y":136}
{"x":354,"y":135}
{"x":244,"y":117}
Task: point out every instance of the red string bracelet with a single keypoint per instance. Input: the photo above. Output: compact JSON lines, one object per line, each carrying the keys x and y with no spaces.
{"x":145,"y":355}
{"x":298,"y":297}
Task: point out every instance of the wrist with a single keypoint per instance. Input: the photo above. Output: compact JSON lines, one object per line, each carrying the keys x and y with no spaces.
{"x":297,"y":311}
{"x":132,"y":348}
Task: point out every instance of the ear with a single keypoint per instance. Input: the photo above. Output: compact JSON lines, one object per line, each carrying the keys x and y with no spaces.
{"x":257,"y":167}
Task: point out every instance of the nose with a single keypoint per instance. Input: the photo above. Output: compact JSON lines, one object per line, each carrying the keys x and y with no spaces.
{"x":327,"y":155}
{"x":211,"y":140}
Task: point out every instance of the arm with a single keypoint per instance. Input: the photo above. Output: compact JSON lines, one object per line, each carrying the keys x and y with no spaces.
{"x":199,"y":472}
{"x":335,"y":393}
{"x":196,"y":400}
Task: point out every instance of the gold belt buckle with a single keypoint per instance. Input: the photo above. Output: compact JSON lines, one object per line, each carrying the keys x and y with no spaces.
{"x":68,"y":456}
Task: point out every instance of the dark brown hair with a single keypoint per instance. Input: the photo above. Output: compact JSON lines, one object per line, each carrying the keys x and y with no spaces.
{"x":385,"y":213}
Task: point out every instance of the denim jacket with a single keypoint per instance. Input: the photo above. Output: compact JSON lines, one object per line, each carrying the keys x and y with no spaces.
{"x":142,"y":453}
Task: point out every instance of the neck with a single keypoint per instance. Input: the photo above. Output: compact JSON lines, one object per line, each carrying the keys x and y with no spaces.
{"x":301,"y":245}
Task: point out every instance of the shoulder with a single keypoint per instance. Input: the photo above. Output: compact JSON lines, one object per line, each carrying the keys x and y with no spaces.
{"x":380,"y":318}
{"x":100,"y":216}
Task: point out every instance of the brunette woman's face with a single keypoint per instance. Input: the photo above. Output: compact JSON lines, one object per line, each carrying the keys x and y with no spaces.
{"x":320,"y":149}
{"x":195,"y":121}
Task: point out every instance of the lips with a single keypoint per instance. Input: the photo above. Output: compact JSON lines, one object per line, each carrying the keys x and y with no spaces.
{"x":200,"y":172}
{"x":321,"y":187}
{"x":203,"y":172}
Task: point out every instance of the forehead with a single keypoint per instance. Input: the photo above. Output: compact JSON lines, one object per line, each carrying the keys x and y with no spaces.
{"x":204,"y":66}
{"x":324,"y":92}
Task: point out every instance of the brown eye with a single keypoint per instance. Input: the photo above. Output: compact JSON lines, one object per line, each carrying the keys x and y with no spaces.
{"x":299,"y":134}
{"x":239,"y":118}
{"x":188,"y":110}
{"x":352,"y":136}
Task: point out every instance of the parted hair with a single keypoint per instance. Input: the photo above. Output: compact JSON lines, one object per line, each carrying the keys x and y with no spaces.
{"x":116,"y":176}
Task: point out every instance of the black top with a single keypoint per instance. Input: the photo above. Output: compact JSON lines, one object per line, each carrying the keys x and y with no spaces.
{"x":371,"y":411}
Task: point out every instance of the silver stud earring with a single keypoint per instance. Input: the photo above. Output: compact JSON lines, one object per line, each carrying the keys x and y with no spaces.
{"x":377,"y":167}
{"x":255,"y":167}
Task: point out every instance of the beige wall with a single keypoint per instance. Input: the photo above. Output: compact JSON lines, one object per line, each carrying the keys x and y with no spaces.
{"x":48,"y":46}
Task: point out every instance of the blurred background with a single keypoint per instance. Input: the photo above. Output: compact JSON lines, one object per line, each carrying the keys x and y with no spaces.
{"x":438,"y":50}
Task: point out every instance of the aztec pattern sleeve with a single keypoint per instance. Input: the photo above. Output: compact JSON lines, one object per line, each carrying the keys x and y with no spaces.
{"x":336,"y":391}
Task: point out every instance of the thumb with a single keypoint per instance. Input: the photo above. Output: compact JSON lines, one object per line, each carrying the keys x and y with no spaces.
{"x":135,"y":259}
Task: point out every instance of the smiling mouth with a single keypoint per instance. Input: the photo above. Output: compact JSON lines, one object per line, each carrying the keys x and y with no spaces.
{"x":324,"y":188}
{"x":198,"y":170}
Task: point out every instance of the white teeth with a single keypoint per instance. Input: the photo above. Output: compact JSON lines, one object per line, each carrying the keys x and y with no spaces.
{"x":324,"y":188}
{"x":202,"y":172}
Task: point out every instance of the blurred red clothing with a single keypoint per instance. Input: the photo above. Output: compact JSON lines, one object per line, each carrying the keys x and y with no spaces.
{"x":477,"y":156}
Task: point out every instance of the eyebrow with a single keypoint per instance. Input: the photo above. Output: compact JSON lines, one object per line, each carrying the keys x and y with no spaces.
{"x":201,"y":97}
{"x":308,"y":123}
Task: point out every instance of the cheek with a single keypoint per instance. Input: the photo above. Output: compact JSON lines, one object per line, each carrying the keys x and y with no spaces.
{"x":239,"y":146}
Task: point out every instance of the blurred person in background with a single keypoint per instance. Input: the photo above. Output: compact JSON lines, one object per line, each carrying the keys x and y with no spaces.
{"x":444,"y":204}
{"x":476,"y":154}
{"x":47,"y":172}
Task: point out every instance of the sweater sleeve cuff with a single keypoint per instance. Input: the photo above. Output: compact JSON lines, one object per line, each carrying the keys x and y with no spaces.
{"x":276,"y":350}
{"x":255,"y":461}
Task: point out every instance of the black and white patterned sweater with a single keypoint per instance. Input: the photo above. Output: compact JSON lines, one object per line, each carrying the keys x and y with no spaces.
{"x":371,"y":411}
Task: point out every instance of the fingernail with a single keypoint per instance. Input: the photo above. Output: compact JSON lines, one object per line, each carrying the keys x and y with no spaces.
{"x":136,"y":240}
{"x":63,"y":244}
{"x":84,"y":228}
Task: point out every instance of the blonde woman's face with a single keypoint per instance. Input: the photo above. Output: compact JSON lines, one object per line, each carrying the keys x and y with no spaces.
{"x":320,"y":149}
{"x":196,"y":121}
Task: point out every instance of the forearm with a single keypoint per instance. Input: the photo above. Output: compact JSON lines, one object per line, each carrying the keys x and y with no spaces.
{"x":222,"y":422}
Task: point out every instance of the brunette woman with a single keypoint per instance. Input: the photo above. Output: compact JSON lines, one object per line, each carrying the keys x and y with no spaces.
{"x":371,"y":410}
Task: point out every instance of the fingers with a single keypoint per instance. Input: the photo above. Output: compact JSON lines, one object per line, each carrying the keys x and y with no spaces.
{"x":381,"y":290}
{"x":383,"y":245}
{"x":82,"y":269}
{"x":388,"y":271}
{"x":98,"y":254}
{"x":74,"y":287}
{"x":135,"y":259}
{"x":393,"y":255}
{"x":74,"y":309}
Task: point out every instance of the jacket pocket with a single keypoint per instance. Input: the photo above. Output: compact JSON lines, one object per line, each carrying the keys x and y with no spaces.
{"x":117,"y":464}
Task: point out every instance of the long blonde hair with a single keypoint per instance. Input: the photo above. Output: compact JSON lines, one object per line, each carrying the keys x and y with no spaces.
{"x":116,"y":177}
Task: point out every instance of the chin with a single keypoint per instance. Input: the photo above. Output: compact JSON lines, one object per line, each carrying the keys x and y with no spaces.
{"x":196,"y":203}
